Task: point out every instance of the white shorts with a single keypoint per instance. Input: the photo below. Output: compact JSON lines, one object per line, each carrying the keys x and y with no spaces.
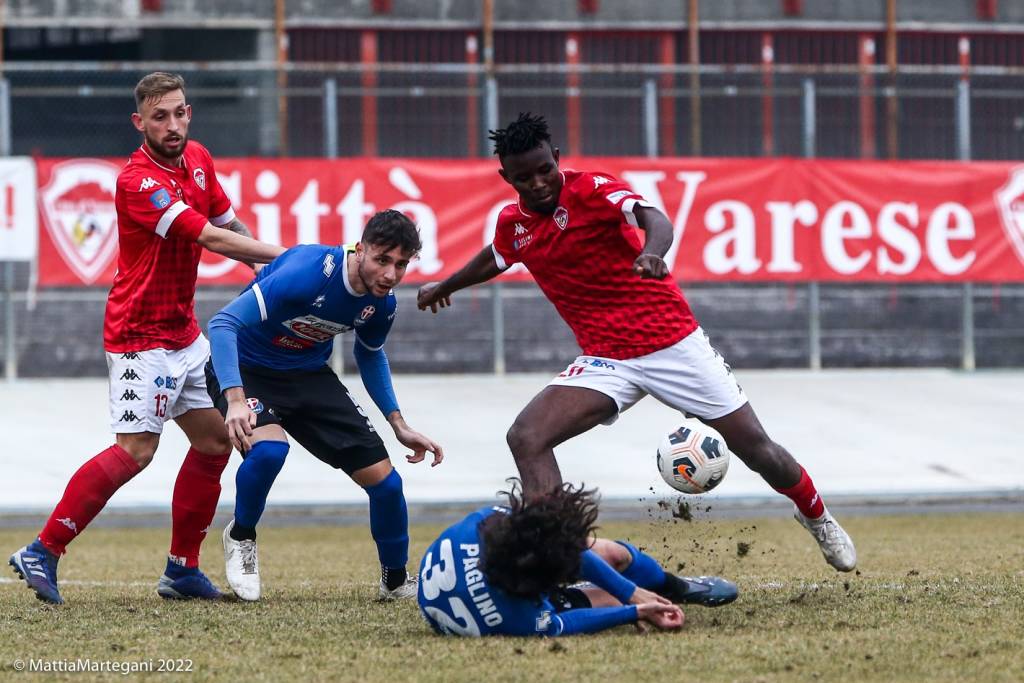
{"x":147,"y":388}
{"x":690,"y":376}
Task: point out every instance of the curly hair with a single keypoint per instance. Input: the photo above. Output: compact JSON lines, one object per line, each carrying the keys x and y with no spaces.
{"x":390,"y":229}
{"x":536,"y":546}
{"x":526,"y":133}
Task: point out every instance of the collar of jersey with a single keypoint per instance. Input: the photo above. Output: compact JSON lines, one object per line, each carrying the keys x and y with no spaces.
{"x":180,"y":170}
{"x":531,"y":214}
{"x":344,"y":272}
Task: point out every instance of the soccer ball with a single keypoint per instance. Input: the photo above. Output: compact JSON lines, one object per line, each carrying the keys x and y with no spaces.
{"x":693,"y":458}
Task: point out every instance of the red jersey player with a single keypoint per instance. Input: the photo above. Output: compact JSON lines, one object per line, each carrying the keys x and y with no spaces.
{"x":575,"y":232}
{"x":169,"y":207}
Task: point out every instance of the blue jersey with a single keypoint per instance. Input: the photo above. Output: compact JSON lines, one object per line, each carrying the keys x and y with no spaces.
{"x":455,"y":598}
{"x":305,"y":299}
{"x":286,"y":319}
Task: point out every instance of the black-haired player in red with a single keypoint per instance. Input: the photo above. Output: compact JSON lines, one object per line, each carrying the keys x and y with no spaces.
{"x":576,"y":233}
{"x":169,"y":208}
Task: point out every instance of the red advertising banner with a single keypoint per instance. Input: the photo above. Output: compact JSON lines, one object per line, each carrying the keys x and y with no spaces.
{"x":742,"y":220}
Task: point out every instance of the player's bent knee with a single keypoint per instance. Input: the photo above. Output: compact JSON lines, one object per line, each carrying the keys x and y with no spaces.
{"x":142,"y":447}
{"x":391,"y":485}
{"x":522,"y":441}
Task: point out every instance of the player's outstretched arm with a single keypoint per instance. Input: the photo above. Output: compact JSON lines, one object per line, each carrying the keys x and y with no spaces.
{"x":650,"y":264}
{"x":235,"y":246}
{"x":481,"y":268}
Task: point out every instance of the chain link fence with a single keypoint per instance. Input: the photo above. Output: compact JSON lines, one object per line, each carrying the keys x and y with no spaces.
{"x":444,"y":110}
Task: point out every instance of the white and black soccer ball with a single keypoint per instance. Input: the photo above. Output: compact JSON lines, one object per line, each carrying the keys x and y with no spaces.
{"x":693,"y":458}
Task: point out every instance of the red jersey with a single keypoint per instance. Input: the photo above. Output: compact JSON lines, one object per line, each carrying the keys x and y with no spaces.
{"x":160,"y":213}
{"x":582,"y":258}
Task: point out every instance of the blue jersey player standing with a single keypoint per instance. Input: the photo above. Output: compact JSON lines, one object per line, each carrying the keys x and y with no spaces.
{"x":269,"y":378}
{"x":506,"y":570}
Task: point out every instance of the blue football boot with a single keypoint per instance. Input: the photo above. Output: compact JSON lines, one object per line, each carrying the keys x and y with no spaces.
{"x":185,"y":583}
{"x":38,"y":566}
{"x":710,"y":591}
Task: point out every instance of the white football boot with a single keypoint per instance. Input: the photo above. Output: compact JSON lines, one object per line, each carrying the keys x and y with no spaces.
{"x":836,"y":545}
{"x":242,"y":566}
{"x":403,"y":592}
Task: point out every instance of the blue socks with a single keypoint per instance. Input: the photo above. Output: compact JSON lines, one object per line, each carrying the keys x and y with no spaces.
{"x":253,"y":480}
{"x":644,"y":571}
{"x":389,"y":521}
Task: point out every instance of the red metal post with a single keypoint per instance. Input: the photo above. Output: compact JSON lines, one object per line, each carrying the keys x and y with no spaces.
{"x":667,"y":102}
{"x":868,"y":148}
{"x":368,"y":60}
{"x":572,"y":106}
{"x":767,"y":96}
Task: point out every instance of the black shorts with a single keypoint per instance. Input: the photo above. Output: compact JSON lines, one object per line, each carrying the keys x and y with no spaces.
{"x":567,"y":598}
{"x":314,"y":407}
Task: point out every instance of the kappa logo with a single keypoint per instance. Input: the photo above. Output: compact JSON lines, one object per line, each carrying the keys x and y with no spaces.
{"x":1010,"y":200}
{"x":600,"y":180}
{"x":130,"y":374}
{"x":328,"y":265}
{"x":130,"y":355}
{"x":561,"y":217}
{"x":319,"y":301}
{"x":69,"y":523}
{"x":129,"y":395}
{"x":520,"y":230}
{"x":200,"y":177}
{"x":146,"y":184}
{"x":77,"y":205}
{"x":129,"y":416}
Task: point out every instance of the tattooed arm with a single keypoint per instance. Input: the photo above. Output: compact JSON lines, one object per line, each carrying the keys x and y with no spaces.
{"x":238,"y":227}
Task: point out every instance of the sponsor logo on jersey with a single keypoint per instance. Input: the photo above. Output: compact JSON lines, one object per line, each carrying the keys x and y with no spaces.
{"x":78,"y":210}
{"x":129,"y":416}
{"x":130,"y":355}
{"x":129,"y":374}
{"x":521,"y":242}
{"x":520,"y":229}
{"x":146,"y":184}
{"x":69,"y":523}
{"x":614,"y":197}
{"x":254,"y":405}
{"x":293,"y":343}
{"x":161,"y":199}
{"x":600,"y":180}
{"x":129,"y":395}
{"x":328,"y":265}
{"x":315,"y":329}
{"x":561,"y":217}
{"x":200,"y":177}
{"x":1010,"y":200}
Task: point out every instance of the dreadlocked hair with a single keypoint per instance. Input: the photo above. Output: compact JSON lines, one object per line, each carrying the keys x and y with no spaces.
{"x":536,"y":546}
{"x":522,"y":135}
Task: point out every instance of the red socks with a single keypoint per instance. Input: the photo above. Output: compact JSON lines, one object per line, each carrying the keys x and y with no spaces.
{"x":87,"y":492}
{"x":805,"y":496}
{"x":196,"y":492}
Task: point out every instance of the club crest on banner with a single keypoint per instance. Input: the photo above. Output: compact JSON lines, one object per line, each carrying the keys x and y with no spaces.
{"x":1010,"y":200}
{"x":78,"y":209}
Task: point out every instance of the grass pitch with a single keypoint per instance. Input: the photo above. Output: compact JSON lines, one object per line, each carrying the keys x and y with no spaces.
{"x":936,"y":598}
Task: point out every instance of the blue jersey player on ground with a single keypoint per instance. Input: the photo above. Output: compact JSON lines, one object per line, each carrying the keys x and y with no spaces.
{"x":506,"y":570}
{"x":269,"y":378}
